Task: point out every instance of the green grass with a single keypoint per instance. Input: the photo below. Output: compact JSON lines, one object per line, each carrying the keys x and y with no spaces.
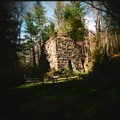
{"x":24,"y":86}
{"x":90,"y":98}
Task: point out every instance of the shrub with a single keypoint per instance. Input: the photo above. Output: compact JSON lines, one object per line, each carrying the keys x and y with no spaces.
{"x":65,"y":72}
{"x":76,"y":72}
{"x":52,"y":72}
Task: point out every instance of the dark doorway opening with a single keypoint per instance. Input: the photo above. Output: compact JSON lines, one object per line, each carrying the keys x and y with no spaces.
{"x":70,"y":64}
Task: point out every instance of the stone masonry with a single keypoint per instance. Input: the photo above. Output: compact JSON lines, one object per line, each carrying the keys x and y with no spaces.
{"x":62,"y":52}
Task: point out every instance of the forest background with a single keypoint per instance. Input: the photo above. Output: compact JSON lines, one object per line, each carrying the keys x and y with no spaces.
{"x":21,"y":56}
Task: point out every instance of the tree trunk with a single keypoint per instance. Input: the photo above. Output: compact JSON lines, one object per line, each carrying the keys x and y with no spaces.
{"x":106,"y":41}
{"x":34,"y":59}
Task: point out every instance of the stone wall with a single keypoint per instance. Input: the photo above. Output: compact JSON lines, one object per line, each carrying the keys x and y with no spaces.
{"x":62,"y":52}
{"x":50,"y":50}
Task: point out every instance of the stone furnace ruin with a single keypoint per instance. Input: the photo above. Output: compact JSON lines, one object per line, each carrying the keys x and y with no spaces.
{"x":62,"y":52}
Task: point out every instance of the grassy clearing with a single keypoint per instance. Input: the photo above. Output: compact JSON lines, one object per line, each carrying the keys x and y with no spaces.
{"x":85,"y":99}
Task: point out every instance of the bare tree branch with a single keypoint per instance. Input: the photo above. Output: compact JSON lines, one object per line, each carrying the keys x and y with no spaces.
{"x":112,"y":14}
{"x":96,"y":7}
{"x":107,"y":10}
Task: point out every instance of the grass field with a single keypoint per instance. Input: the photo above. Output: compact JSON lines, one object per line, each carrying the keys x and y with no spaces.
{"x":89,"y":98}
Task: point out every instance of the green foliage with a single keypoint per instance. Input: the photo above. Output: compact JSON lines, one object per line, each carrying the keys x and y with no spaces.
{"x":54,"y":72}
{"x":11,"y":19}
{"x":58,"y":14}
{"x":64,"y":72}
{"x":39,"y":14}
{"x":73,"y":16}
{"x":51,"y":29}
{"x":34,"y":22}
{"x":69,"y":19}
{"x":35,"y":19}
{"x":48,"y":31}
{"x":76,"y":73}
{"x":30,"y":27}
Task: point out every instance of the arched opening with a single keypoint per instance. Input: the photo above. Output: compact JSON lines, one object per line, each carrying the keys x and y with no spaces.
{"x":70,"y":64}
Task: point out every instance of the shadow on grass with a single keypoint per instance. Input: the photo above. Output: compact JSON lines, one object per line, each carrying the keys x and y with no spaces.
{"x":91,"y":98}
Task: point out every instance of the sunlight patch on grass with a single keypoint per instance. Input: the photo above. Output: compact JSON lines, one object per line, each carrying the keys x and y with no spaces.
{"x":64,"y":79}
{"x":60,"y":80}
{"x":25,"y":86}
{"x":93,"y":90}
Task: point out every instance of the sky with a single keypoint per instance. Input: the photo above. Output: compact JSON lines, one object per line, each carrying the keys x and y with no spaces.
{"x":49,"y":7}
{"x":90,"y":21}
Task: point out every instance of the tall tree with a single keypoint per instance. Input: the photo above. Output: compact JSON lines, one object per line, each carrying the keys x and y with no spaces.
{"x":39,"y":18}
{"x":58,"y":15}
{"x":74,"y":20}
{"x":32,"y":30}
{"x":10,"y":30}
{"x":107,"y":30}
{"x":35,"y":20}
{"x":110,"y":8}
{"x":48,"y":31}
